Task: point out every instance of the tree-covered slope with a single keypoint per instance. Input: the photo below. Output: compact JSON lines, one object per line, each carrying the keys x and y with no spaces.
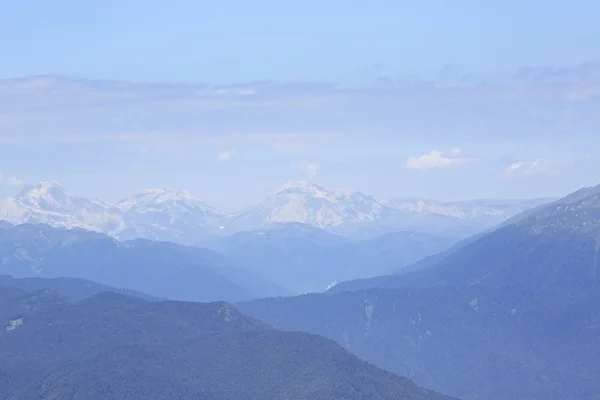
{"x":112,"y":346}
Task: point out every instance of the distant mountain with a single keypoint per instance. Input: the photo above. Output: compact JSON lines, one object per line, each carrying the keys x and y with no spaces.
{"x":311,"y":204}
{"x":305,"y":259}
{"x":49,"y":203}
{"x":470,"y":209}
{"x":112,"y":346}
{"x":458,"y":218}
{"x":510,"y":314}
{"x":357,"y":215}
{"x":160,"y":269}
{"x":72,"y":288}
{"x":156,"y":214}
{"x":179,"y":217}
{"x":583,"y":74}
{"x":175,"y":216}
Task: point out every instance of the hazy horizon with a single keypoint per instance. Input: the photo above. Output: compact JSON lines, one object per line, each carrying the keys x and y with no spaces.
{"x":108,"y":139}
{"x":395,"y":99}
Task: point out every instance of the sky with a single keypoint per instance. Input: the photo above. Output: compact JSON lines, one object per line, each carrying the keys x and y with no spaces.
{"x":232,"y":99}
{"x":239,"y":41}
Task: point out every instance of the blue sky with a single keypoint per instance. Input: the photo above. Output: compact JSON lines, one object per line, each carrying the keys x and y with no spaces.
{"x":536,"y":135}
{"x":232,"y":40}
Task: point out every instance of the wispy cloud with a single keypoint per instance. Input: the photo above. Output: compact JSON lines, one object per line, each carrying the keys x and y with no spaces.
{"x":527,"y":168}
{"x":437,"y":159}
{"x":225,"y":156}
{"x":311,"y":168}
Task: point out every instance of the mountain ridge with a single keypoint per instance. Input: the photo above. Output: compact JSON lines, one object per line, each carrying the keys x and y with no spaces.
{"x":178,"y":216}
{"x":160,"y":269}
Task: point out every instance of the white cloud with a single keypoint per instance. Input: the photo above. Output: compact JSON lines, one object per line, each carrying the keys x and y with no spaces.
{"x":14,"y":181}
{"x":308,"y":167}
{"x":527,"y":168}
{"x":225,"y":156}
{"x":436,"y":159}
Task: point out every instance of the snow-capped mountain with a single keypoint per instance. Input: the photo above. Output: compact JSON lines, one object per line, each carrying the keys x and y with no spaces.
{"x":311,"y":204}
{"x":156,"y":214}
{"x":162,"y":214}
{"x":353,"y":213}
{"x":178,"y":202}
{"x":49,"y":203}
{"x":178,"y":216}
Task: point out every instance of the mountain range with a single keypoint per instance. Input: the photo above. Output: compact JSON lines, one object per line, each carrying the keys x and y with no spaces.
{"x":303,"y":259}
{"x":113,"y":346}
{"x":509,"y":313}
{"x":303,"y":238}
{"x":512,"y":313}
{"x":179,"y":217}
{"x":288,"y":259}
{"x":160,"y":269}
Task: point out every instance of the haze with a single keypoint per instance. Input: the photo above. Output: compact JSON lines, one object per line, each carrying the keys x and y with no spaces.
{"x":396,"y":99}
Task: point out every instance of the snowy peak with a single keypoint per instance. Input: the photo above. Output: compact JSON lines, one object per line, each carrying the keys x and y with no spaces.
{"x":164,"y":200}
{"x":49,"y":203}
{"x":155,"y":214}
{"x":178,"y":216}
{"x":311,"y":189}
{"x":46,"y":195}
{"x":308,"y":203}
{"x":335,"y":209}
{"x":158,"y":196}
{"x":171,"y":215}
{"x":302,"y":187}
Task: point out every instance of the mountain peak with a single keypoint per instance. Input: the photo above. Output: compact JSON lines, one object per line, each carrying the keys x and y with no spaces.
{"x":43,"y":186}
{"x":48,"y":195}
{"x":158,"y":196}
{"x":311,"y":188}
{"x":308,"y":203}
{"x":301,"y":186}
{"x":175,"y":206}
{"x":165,"y":194}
